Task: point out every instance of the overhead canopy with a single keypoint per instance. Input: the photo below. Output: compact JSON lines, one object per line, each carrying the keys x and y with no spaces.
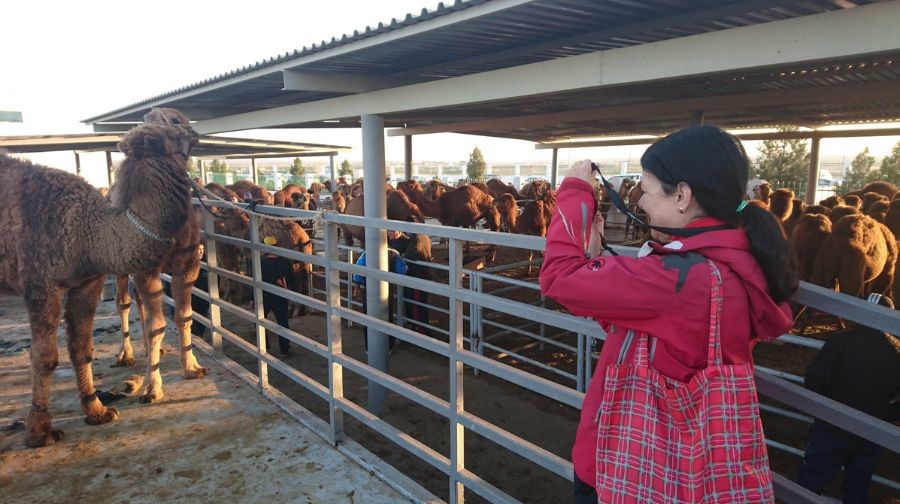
{"x":209,"y":146}
{"x":550,"y":70}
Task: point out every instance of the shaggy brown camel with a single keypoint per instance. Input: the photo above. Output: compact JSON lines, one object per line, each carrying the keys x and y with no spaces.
{"x":498,"y":187}
{"x":398,"y":208}
{"x":859,"y":256}
{"x":68,"y":242}
{"x":283,"y":197}
{"x":259,"y":194}
{"x":806,"y":239}
{"x":182,"y":262}
{"x":892,"y":219}
{"x":506,"y":205}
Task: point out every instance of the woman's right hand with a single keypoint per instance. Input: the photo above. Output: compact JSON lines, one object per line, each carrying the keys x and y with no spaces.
{"x":581,"y":170}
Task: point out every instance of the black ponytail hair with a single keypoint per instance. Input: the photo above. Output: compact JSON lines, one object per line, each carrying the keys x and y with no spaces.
{"x":714,"y":164}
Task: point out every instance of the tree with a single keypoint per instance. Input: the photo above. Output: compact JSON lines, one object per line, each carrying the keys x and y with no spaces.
{"x":860,"y":172}
{"x":476,"y":166}
{"x":218,"y":166}
{"x":890,"y":167}
{"x":784,"y":163}
{"x":346,"y":169}
{"x":297,"y":169}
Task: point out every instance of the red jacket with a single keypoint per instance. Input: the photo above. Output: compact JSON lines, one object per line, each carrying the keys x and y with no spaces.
{"x":665,"y":294}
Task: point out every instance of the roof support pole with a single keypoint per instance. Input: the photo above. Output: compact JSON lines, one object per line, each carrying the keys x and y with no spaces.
{"x":376,"y":253}
{"x":202,"y":171}
{"x":554,"y":168}
{"x":254,"y":173}
{"x":696,"y":118}
{"x":331,"y":172}
{"x":109,"y":170}
{"x":77,"y":163}
{"x":812,"y":183}
{"x":407,"y":157}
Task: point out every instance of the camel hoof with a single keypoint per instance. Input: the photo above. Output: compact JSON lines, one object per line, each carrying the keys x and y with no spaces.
{"x":194,"y":373}
{"x":151,"y":397}
{"x":108,"y":415}
{"x":122,"y":361}
{"x":133,"y":383}
{"x":43,"y":438}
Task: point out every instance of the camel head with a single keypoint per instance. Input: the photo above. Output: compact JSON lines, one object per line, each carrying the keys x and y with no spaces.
{"x":173,"y":117}
{"x":158,"y":140}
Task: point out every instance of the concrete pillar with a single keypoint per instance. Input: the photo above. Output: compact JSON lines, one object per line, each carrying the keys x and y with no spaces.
{"x":376,"y":252}
{"x":813,"y":182}
{"x":407,"y":157}
{"x":331,"y":172}
{"x":77,"y":163}
{"x":109,"y":169}
{"x":554,"y":168}
{"x":254,"y":173}
{"x":202,"y":172}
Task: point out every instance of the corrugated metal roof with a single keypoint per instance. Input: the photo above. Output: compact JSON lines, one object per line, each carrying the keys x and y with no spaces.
{"x":209,"y":146}
{"x":509,"y":33}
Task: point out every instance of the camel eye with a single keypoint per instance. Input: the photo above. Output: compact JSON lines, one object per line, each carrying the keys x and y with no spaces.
{"x":175,"y":121}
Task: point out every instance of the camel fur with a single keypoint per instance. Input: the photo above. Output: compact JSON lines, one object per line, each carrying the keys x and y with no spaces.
{"x":859,"y":257}
{"x":806,"y":239}
{"x":68,"y":240}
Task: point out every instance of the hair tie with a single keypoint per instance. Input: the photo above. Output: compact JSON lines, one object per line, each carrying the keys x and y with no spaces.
{"x":741,"y":206}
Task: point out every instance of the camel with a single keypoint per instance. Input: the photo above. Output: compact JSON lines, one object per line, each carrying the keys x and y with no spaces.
{"x":259,"y":194}
{"x":67,"y":243}
{"x":399,"y":207}
{"x":859,"y":256}
{"x":182,"y":262}
{"x":498,"y":187}
{"x":806,"y":239}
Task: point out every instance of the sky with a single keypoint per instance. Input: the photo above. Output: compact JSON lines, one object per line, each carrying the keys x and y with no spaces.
{"x":65,"y":61}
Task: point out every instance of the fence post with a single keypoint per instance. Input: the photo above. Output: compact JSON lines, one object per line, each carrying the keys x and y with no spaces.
{"x":335,"y":337}
{"x":457,"y":431}
{"x":256,"y":269}
{"x":215,"y":316}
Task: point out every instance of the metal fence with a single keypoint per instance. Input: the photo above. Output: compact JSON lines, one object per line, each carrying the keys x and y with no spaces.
{"x":466,"y":350}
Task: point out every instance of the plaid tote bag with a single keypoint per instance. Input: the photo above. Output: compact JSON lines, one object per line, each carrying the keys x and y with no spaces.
{"x":663,"y":441}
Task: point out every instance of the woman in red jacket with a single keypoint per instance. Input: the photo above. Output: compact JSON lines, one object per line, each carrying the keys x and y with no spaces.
{"x":693,"y":183}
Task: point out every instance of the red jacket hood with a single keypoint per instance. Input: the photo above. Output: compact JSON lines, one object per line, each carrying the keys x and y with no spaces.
{"x":731,"y":247}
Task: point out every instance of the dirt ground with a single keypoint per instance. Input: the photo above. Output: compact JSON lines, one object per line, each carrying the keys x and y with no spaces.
{"x":214,"y":439}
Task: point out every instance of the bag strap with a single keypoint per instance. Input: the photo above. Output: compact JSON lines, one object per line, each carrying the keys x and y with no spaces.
{"x":643,"y":354}
{"x":714,"y":348}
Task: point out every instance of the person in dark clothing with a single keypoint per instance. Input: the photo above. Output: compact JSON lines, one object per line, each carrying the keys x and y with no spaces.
{"x":396,"y":264}
{"x":860,"y":368}
{"x":415,"y":247}
{"x":198,"y":304}
{"x":279,"y":271}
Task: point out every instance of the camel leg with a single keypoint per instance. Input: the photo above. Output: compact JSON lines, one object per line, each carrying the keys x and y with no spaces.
{"x":81,"y":305}
{"x":123,"y":302}
{"x":149,"y":288}
{"x":43,"y":315}
{"x":181,"y":293}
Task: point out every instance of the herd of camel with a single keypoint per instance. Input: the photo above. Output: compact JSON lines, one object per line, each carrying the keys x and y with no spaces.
{"x":67,"y":244}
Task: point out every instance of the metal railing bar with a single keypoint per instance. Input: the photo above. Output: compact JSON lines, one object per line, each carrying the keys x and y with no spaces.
{"x":309,"y":344}
{"x":415,"y":394}
{"x":838,"y":414}
{"x":407,"y":335}
{"x":550,"y":461}
{"x":786,"y":413}
{"x":298,"y":377}
{"x":523,"y":379}
{"x":395,"y":435}
{"x":781,"y":374}
{"x":848,"y":307}
{"x":511,"y":329}
{"x":530,"y":361}
{"x":549,"y":317}
{"x":484,"y":489}
{"x":802,"y":341}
